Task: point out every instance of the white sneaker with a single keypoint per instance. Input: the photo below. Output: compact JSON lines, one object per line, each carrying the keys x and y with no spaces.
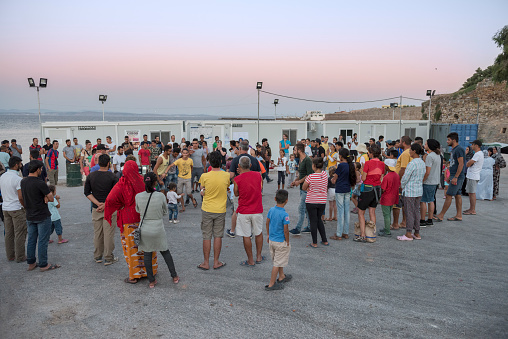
{"x":176,"y":221}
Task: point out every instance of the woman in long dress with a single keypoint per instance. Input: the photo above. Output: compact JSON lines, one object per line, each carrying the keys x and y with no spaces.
{"x":484,"y":190}
{"x":500,"y":163}
{"x":122,"y":198}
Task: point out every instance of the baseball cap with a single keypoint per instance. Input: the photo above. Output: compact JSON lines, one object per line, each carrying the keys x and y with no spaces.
{"x":388,"y":141}
{"x":477,"y":142}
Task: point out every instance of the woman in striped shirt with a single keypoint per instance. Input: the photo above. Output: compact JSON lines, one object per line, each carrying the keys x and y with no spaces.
{"x":316,"y":185}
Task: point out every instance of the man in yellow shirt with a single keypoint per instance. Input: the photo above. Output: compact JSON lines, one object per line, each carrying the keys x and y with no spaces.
{"x":402,"y":162}
{"x":185,"y":166}
{"x":214,"y":189}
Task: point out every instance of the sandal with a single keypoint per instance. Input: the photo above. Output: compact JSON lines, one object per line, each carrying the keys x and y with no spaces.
{"x":468,"y":213}
{"x":454,"y":219}
{"x":50,"y":268}
{"x":263,"y":258}
{"x":417,"y":237}
{"x":63,"y":241}
{"x":325,"y":244}
{"x":152,"y":284}
{"x":334,"y":237}
{"x":245,"y":263}
{"x":195,"y":203}
{"x":129,"y":281}
{"x":202,"y":268}
{"x":404,"y":238}
{"x":312,"y":245}
{"x":176,"y":280}
{"x":222,"y":264}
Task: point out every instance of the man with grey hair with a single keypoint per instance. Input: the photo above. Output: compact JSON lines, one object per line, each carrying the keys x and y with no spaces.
{"x":234,"y":171}
{"x":248,"y":187}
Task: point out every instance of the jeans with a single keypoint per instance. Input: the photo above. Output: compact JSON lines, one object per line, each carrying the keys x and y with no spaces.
{"x":342,"y":201}
{"x":56,"y":225}
{"x":387,"y":216}
{"x":316,"y":223}
{"x":38,"y":236}
{"x":302,"y":211}
{"x":148,"y":264}
{"x":173,"y":211}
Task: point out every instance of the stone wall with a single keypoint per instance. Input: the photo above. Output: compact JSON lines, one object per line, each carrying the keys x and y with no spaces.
{"x":408,"y":113}
{"x":490,"y":110}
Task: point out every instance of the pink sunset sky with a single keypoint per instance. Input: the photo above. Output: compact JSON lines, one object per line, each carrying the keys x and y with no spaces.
{"x":206,"y":57}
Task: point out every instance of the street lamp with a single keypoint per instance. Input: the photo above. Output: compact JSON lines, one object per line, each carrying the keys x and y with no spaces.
{"x":43,"y":82}
{"x":259,"y":86}
{"x":430,"y":94}
{"x":103,"y":99}
{"x":276,"y":102}
{"x":394,"y":105}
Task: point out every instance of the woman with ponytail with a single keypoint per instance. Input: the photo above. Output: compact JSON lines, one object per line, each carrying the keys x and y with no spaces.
{"x":344,"y":179}
{"x":152,"y":207}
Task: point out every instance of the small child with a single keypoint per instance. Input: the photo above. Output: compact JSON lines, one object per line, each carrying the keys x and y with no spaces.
{"x":332,"y":206}
{"x":56,"y":222}
{"x":277,"y":230}
{"x":291,"y":165}
{"x":446,"y":176}
{"x":356,"y":190}
{"x":173,"y":203}
{"x":390,"y":195}
{"x":281,"y":169}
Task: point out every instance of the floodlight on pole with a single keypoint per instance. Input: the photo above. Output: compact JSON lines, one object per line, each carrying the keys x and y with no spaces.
{"x":259,"y":86}
{"x":43,"y":82}
{"x":276,"y":102}
{"x":103,"y":98}
{"x":430,"y":94}
{"x":393,"y":105}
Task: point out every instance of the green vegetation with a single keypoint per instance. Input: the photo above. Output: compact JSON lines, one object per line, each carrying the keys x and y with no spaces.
{"x":437,"y":113}
{"x":500,"y":67}
{"x":424,"y":116}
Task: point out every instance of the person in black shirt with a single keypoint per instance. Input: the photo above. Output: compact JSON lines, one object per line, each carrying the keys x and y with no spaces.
{"x":48,"y":146}
{"x":223,"y":152}
{"x":34,"y":155}
{"x":97,"y":187}
{"x":36,"y":195}
{"x":320,"y":150}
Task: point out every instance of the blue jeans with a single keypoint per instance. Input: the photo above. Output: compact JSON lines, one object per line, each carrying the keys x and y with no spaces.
{"x":38,"y":236}
{"x":302,"y":211}
{"x":173,"y":211}
{"x":172,"y":178}
{"x":56,"y":225}
{"x":342,"y":201}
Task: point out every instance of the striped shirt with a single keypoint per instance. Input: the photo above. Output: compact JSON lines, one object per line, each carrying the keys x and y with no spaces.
{"x":52,"y":157}
{"x":412,"y":181}
{"x":318,"y":188}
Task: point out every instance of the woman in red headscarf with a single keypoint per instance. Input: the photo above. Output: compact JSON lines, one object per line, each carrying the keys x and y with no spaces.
{"x":122,"y":198}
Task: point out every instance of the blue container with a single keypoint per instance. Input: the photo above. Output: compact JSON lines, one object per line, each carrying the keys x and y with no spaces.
{"x":467,"y":133}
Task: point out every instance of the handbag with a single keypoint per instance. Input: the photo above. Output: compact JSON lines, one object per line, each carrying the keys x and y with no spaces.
{"x":137,"y":231}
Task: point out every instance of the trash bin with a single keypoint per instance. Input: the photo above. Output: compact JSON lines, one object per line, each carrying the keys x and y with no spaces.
{"x":74,"y":178}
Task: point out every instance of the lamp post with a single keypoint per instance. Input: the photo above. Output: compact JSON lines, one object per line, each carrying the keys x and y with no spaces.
{"x":430,"y":94}
{"x":103,"y":99}
{"x":43,"y":82}
{"x":259,"y":85}
{"x":275,"y":103}
{"x":394,"y":105}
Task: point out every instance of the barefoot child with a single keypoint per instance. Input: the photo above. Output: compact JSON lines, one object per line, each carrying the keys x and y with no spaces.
{"x":56,"y":222}
{"x":332,"y":206}
{"x":390,"y":196}
{"x":173,"y":203}
{"x":277,"y":230}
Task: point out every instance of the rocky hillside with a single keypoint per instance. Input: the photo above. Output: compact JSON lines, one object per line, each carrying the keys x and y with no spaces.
{"x":408,"y":113}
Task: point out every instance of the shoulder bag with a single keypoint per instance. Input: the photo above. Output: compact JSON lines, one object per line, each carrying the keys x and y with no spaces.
{"x":137,"y":231}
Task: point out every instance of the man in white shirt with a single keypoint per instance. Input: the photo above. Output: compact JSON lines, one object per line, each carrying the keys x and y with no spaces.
{"x":14,"y":214}
{"x":308,"y":150}
{"x":352,"y":143}
{"x":111,"y":146}
{"x":473,"y":175}
{"x":118,"y":159}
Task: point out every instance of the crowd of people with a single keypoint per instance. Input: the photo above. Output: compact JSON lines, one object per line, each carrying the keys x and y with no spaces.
{"x":136,"y":193}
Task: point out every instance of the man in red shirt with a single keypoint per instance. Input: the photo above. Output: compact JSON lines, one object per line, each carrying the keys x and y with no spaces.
{"x":248,"y":186}
{"x":144,"y":155}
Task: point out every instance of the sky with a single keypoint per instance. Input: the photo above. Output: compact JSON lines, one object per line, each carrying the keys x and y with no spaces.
{"x":205,"y":57}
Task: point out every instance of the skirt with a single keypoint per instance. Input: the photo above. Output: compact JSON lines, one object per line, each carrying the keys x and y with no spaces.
{"x":134,"y":257}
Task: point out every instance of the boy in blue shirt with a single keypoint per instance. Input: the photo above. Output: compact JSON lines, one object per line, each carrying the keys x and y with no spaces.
{"x":277,"y":230}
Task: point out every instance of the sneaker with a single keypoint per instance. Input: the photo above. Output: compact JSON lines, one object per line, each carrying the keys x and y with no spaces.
{"x":286,"y":279}
{"x":430,"y":222}
{"x":176,"y":221}
{"x":98,"y":260}
{"x":306,"y":230}
{"x":294,"y":231}
{"x":423,"y":223}
{"x":275,"y":287}
{"x":107,"y":262}
{"x":230,"y":234}
{"x":384,"y":233}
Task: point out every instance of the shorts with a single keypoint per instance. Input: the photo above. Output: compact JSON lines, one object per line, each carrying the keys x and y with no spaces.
{"x":454,"y":190}
{"x":429,"y":192}
{"x":249,"y":224}
{"x":471,"y":186}
{"x":331,"y":194}
{"x":196,"y":173}
{"x":368,"y":199}
{"x":184,"y":182}
{"x":212,"y":224}
{"x":279,"y":252}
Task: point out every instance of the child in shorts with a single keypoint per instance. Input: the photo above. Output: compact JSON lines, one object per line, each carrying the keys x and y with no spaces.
{"x":173,"y":197}
{"x":56,"y":220}
{"x":332,"y":206}
{"x":277,"y":230}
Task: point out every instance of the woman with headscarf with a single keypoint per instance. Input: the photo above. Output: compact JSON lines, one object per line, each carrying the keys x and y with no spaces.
{"x":122,"y":198}
{"x":485,"y":186}
{"x":500,"y":163}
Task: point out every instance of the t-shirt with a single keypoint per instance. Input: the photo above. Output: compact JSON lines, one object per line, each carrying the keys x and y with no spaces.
{"x":325,"y":146}
{"x":250,"y":200}
{"x":317,"y":192}
{"x":281,"y":164}
{"x":197,"y":158}
{"x":4,"y":159}
{"x":285,"y":143}
{"x":390,"y":185}
{"x":127,"y":145}
{"x":15,"y":153}
{"x":305,"y":169}
{"x":43,"y":176}
{"x":321,"y":152}
{"x":47,"y":147}
{"x":473,"y":172}
{"x":434,"y":162}
{"x":55,"y":215}
{"x":184,"y":168}
{"x":278,"y":218}
{"x":144,"y":155}
{"x":118,"y":160}
{"x":291,"y":166}
{"x":111,"y":146}
{"x":342,"y":184}
{"x":254,"y":164}
{"x":374,"y":169}
{"x":308,"y":151}
{"x":35,"y":148}
{"x":363,"y":159}
{"x":457,"y":152}
{"x":10,"y":183}
{"x":69,"y":152}
{"x":34,"y":190}
{"x":173,"y":197}
{"x":216,"y":185}
{"x":353,"y":145}
{"x":99,"y":184}
{"x":52,"y":157}
{"x":154,"y":153}
{"x":77,"y":150}
{"x":403,"y":160}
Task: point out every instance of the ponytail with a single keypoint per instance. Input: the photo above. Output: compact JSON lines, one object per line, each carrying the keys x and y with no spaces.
{"x":150,"y":181}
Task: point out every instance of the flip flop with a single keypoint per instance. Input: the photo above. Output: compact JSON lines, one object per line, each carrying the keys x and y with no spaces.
{"x":322,"y":243}
{"x":152,"y":284}
{"x":63,"y":241}
{"x":437,"y":220}
{"x":454,"y":219}
{"x":31,"y":269}
{"x":128,"y":281}
{"x":195,"y":203}
{"x":312,"y":245}
{"x":221,"y":266}
{"x":404,"y":238}
{"x":176,"y":280}
{"x":468,"y":213}
{"x":263,"y":258}
{"x":244,"y":263}
{"x":393,"y":228}
{"x":50,"y":268}
{"x":202,"y":268}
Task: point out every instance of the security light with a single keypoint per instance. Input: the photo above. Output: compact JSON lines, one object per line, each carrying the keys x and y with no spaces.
{"x":433,"y":92}
{"x":103,"y":97}
{"x":31,"y":82}
{"x":259,"y":85}
{"x":276,"y":101}
{"x":43,"y":82}
{"x":429,"y":92}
